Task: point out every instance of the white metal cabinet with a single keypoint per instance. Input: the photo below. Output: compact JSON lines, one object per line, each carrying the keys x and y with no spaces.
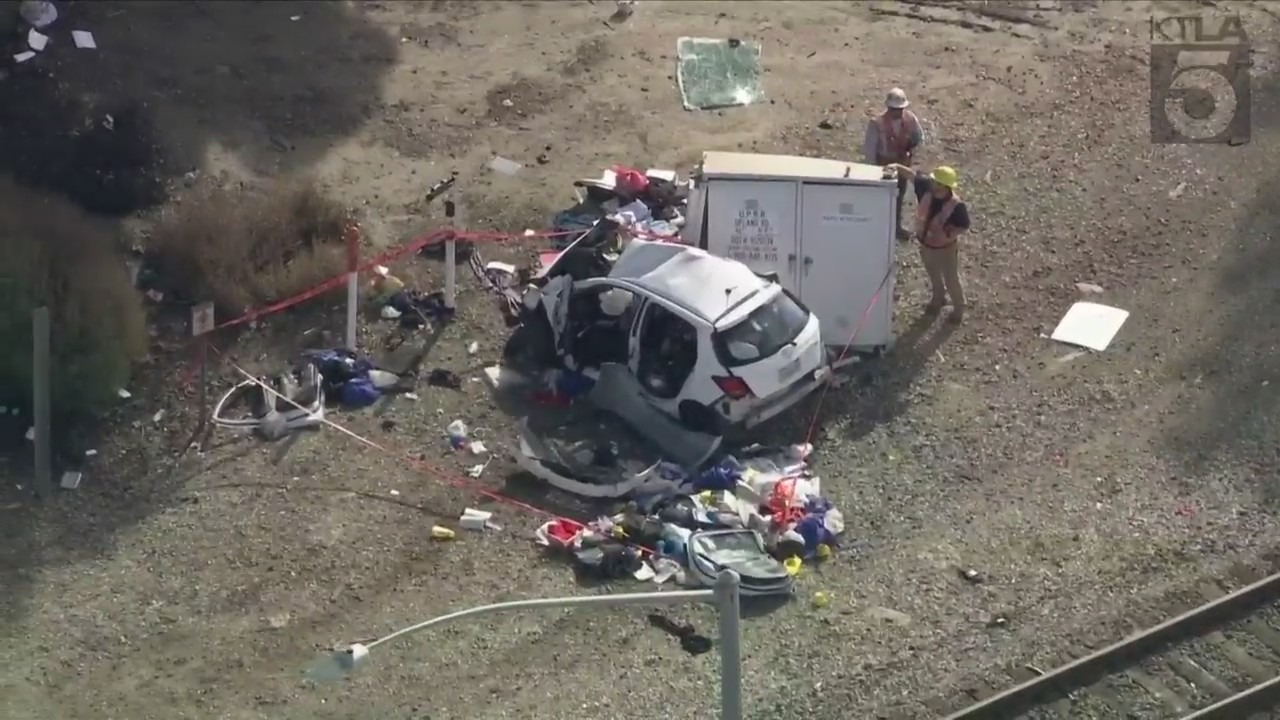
{"x":825,"y":227}
{"x":845,"y":270}
{"x":755,"y":221}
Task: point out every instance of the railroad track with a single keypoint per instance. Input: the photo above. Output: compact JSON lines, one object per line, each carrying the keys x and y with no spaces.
{"x":1219,"y":661}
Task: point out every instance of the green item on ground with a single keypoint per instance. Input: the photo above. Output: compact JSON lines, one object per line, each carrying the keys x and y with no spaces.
{"x":718,"y":73}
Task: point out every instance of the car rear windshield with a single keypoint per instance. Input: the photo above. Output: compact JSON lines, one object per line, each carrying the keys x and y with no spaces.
{"x":764,"y":332}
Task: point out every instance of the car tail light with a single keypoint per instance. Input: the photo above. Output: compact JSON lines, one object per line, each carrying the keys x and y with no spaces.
{"x":735,"y":387}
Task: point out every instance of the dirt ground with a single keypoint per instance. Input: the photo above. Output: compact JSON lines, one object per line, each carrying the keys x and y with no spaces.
{"x":1085,"y":488}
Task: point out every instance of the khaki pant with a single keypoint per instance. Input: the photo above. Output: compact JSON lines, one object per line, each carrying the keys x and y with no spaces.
{"x":943,"y":267}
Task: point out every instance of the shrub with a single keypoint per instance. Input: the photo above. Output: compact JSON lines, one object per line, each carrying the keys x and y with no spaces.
{"x":244,"y":249}
{"x":56,"y":255}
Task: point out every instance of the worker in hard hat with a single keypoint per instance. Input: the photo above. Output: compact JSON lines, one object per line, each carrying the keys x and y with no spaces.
{"x":941,"y":218}
{"x":893,"y":137}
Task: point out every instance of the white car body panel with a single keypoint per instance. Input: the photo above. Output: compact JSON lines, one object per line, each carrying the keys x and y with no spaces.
{"x":699,"y":288}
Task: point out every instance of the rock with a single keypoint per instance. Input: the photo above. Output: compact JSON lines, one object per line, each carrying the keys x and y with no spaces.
{"x":825,"y":125}
{"x":888,"y":615}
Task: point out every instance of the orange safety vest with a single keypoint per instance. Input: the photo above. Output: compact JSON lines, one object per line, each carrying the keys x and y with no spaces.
{"x":930,"y":231}
{"x":894,"y":146}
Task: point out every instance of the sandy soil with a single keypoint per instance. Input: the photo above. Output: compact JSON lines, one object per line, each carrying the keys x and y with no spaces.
{"x":1085,"y":488}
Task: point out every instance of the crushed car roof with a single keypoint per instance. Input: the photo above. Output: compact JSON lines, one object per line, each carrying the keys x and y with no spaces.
{"x":700,"y":282}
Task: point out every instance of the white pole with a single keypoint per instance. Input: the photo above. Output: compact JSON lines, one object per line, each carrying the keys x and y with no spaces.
{"x":450,"y":272}
{"x":353,"y":282}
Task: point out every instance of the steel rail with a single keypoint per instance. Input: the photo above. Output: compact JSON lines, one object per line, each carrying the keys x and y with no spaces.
{"x":1241,"y":705}
{"x":1091,"y":668}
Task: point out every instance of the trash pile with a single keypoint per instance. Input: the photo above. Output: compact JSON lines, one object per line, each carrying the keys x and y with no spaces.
{"x":651,"y":203}
{"x":761,"y":515}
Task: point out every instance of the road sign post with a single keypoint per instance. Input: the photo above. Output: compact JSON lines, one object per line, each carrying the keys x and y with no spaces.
{"x":202,"y":323}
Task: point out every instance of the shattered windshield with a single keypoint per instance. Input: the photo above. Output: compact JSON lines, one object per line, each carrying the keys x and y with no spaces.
{"x":764,"y":332}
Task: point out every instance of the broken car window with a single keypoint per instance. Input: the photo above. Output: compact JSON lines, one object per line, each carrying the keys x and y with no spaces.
{"x":763,"y":333}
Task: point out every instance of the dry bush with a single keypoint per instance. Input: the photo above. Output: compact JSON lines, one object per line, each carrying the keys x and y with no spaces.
{"x":243,"y":249}
{"x":56,"y":255}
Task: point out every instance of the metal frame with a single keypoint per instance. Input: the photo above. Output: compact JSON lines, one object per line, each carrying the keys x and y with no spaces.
{"x":724,"y":595}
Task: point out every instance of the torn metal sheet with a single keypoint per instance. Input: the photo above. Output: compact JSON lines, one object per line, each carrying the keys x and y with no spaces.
{"x":571,"y":467}
{"x":617,"y":391}
{"x":652,"y":443}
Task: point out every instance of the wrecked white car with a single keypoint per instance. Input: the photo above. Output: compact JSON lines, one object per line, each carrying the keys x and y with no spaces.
{"x":710,"y":343}
{"x":296,"y":403}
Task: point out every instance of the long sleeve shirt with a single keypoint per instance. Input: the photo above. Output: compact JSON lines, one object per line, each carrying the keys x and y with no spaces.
{"x":871,"y":141}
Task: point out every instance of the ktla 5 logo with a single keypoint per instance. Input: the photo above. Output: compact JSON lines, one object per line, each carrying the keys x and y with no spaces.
{"x":1200,"y":80}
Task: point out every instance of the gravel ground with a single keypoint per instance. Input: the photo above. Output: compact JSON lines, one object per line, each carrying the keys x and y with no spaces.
{"x":1085,"y":488}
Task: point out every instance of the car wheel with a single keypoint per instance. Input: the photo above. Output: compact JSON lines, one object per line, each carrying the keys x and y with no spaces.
{"x":531,"y":345}
{"x":702,"y":419}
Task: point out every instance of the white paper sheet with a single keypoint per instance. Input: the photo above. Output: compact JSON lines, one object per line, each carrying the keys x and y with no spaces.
{"x":37,"y":40}
{"x":1090,"y":325}
{"x":84,"y":39}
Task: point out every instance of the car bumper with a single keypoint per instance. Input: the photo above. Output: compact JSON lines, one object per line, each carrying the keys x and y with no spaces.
{"x":771,"y":407}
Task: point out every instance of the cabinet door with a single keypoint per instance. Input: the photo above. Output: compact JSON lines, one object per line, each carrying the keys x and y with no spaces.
{"x":846,"y":260}
{"x":754,"y":222}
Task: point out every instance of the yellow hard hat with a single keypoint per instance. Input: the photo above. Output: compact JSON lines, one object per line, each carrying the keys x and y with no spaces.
{"x":945,"y":176}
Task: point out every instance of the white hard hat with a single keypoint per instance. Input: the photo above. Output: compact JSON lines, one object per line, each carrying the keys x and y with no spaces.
{"x":615,"y":302}
{"x":896,"y":99}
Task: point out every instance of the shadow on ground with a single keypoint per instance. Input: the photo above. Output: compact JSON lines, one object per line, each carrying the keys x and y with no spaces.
{"x":871,"y":394}
{"x":1229,"y":412}
{"x":272,"y":84}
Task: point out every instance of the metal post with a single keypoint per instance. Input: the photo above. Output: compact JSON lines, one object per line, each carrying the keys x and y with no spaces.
{"x":204,"y":388}
{"x":41,"y":402}
{"x":726,"y":594}
{"x":353,"y":282}
{"x":450,"y":260}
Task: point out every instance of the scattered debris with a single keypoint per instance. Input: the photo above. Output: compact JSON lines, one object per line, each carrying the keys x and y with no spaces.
{"x":457,"y":434}
{"x":38,"y":13}
{"x":24,"y":56}
{"x":1088,"y":288}
{"x":439,"y":532}
{"x":37,"y":40}
{"x":690,"y":641}
{"x":502,"y":165}
{"x":124,"y":394}
{"x":477,"y":520}
{"x":1090,"y":325}
{"x":1176,"y":193}
{"x":158,"y":417}
{"x":971,"y":576}
{"x":71,"y":480}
